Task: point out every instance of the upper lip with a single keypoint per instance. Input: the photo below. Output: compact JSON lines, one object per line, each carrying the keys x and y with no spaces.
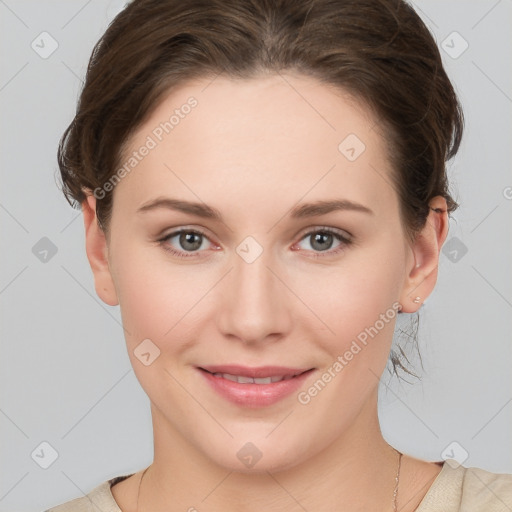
{"x":256,"y":372}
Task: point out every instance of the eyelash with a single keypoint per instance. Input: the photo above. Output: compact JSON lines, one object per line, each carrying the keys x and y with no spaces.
{"x":345,"y":242}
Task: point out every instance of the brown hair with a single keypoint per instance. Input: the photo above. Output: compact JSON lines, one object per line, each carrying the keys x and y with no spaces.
{"x":379,"y":51}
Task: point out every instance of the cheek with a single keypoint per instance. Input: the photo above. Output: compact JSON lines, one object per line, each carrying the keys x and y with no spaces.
{"x":158,"y":299}
{"x":358,"y":305}
{"x":355,"y":293}
{"x":157,"y":304}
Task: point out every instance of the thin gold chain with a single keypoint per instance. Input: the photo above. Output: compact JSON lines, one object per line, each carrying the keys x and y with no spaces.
{"x":140,"y":483}
{"x":397,"y":479}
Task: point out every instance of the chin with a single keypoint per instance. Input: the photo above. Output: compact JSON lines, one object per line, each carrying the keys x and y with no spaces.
{"x":259,"y":456}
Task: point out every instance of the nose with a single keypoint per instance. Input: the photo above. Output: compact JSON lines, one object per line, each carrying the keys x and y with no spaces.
{"x":255,"y":303}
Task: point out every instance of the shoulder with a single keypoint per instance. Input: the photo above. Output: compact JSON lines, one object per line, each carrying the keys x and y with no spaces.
{"x":100,"y":498}
{"x":469,"y":489}
{"x":487,"y":489}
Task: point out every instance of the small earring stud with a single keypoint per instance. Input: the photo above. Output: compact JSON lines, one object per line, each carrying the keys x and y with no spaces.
{"x":417,"y":300}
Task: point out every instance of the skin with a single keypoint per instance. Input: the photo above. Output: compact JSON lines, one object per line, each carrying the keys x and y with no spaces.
{"x":254,"y":149}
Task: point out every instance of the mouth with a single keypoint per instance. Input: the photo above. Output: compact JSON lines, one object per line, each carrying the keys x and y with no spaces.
{"x":254,"y":387}
{"x":249,"y":380}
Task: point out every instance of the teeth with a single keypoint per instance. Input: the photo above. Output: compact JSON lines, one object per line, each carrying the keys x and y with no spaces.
{"x":249,"y":380}
{"x":264,"y":380}
{"x":227,"y":376}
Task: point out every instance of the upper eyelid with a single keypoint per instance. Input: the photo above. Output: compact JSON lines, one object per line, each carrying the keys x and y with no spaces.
{"x":329,"y":229}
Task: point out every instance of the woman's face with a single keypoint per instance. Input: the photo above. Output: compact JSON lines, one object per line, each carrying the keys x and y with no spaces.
{"x":272,"y":280}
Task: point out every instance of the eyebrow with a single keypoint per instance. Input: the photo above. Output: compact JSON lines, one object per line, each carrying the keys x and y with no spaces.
{"x":202,"y":210}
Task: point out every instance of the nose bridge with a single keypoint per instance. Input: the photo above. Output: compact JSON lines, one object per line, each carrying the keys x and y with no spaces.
{"x":253,"y":279}
{"x":254,"y":303}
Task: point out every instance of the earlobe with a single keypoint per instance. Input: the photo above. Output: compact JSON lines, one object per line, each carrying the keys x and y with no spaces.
{"x":97,"y":253}
{"x":422,"y":274}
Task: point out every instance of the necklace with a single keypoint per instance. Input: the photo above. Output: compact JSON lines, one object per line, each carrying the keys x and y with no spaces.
{"x":397,"y":479}
{"x":395,"y":492}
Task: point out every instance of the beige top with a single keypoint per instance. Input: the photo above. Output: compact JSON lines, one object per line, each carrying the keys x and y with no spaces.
{"x":454,"y":489}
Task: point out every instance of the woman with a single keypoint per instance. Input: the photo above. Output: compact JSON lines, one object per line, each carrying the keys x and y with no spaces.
{"x":264,"y":190}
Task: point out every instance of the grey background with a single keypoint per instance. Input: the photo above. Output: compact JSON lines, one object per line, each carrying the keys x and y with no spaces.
{"x":65,"y":376}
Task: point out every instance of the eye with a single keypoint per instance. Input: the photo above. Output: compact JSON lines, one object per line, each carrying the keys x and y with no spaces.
{"x":321,"y":241}
{"x":184,"y":241}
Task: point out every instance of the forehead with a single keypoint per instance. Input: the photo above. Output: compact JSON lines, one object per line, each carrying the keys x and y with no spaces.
{"x":219,"y":138}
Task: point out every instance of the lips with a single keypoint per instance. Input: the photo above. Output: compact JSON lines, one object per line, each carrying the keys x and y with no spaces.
{"x":254,"y":387}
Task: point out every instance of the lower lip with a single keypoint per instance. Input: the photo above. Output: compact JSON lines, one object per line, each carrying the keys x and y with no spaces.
{"x":255,"y":395}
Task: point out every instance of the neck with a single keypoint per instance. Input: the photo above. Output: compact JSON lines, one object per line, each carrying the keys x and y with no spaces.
{"x":357,"y":470}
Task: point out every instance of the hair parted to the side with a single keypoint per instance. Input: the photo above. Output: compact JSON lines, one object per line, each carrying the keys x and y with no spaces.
{"x":378,"y":51}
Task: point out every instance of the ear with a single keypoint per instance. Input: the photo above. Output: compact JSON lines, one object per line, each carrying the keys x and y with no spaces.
{"x":422,"y":273}
{"x":97,"y":253}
